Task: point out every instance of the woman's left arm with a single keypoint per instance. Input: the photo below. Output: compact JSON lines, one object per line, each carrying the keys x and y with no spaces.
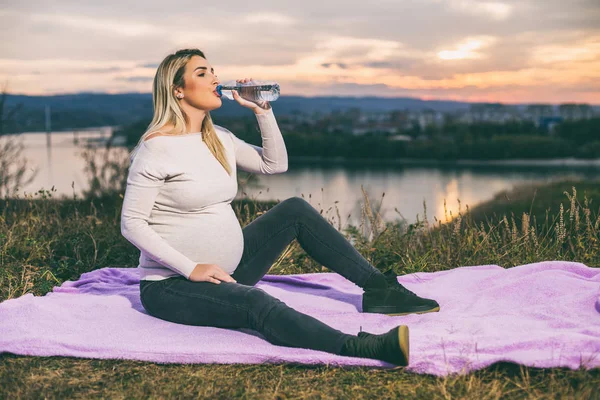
{"x":272,"y":157}
{"x":269,"y":159}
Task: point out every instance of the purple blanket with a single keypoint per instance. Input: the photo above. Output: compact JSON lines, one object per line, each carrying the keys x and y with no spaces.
{"x":544,"y":314}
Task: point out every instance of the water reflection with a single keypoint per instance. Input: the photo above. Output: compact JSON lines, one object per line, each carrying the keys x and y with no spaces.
{"x":405,"y":188}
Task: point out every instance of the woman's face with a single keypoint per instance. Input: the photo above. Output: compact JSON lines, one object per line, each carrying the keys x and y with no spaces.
{"x":200,"y":85}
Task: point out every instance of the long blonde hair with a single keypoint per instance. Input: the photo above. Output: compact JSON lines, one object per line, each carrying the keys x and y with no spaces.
{"x":169,"y":75}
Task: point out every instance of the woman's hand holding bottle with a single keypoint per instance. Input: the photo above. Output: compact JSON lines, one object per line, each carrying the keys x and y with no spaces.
{"x":256,"y":106}
{"x":210,"y":273}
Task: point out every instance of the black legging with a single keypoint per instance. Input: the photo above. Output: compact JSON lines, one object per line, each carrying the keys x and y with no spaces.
{"x":241,"y":305}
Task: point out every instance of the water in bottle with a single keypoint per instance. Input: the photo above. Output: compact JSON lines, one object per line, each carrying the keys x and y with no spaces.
{"x":252,"y":91}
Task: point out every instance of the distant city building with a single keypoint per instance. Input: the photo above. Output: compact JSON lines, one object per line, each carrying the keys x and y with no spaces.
{"x":375,"y":128}
{"x":489,"y":112}
{"x":549,"y":123}
{"x":355,"y":121}
{"x":373,"y":117}
{"x":430,"y":117}
{"x":572,"y":111}
{"x":403,"y":138}
{"x":537,"y":112}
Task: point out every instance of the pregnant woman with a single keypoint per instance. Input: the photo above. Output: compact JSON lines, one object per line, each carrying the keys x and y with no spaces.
{"x":197,"y":265}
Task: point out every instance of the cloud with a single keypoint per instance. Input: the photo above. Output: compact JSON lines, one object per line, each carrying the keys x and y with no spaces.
{"x":268,"y":19}
{"x":135,"y":78}
{"x":493,"y":9}
{"x":149,"y":65}
{"x":80,"y":22}
{"x":340,"y":65}
{"x":356,"y":48}
{"x":102,"y":70}
{"x":582,"y":50}
{"x":449,"y":48}
{"x":467,"y":49}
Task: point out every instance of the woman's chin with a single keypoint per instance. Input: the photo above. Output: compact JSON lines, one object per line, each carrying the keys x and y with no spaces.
{"x":219,"y":104}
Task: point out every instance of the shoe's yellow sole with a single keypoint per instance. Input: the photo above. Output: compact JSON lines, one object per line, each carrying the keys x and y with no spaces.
{"x":403,"y":338}
{"x":416,"y":312}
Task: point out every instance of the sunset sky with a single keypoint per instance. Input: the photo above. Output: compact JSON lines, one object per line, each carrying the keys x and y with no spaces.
{"x":496,"y":51}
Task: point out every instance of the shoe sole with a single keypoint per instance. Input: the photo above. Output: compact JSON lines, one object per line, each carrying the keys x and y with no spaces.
{"x":385,"y":310}
{"x":403,"y":338}
{"x":416,"y":312}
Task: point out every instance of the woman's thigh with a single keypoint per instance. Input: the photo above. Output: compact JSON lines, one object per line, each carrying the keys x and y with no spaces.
{"x":180,"y":300}
{"x":267,"y":237}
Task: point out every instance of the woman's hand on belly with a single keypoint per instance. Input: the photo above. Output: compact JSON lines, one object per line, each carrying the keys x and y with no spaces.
{"x":210,"y":273}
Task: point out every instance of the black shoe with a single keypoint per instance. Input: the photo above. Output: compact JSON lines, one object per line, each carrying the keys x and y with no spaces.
{"x":396,"y":299}
{"x":391,"y":347}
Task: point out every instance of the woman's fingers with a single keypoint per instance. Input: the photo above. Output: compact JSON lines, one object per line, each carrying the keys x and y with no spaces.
{"x":213,"y":280}
{"x":237,"y":97}
{"x":224,"y":276}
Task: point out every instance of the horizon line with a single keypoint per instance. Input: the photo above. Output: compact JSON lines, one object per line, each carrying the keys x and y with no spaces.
{"x":312,"y":97}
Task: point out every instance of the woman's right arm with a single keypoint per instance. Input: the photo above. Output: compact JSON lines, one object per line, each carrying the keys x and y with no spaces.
{"x":145,"y":178}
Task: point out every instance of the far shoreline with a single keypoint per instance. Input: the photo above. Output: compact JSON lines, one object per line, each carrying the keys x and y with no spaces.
{"x":569,"y":162}
{"x":556,"y":163}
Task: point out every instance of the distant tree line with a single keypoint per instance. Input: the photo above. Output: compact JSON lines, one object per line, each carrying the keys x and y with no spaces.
{"x":480,"y":141}
{"x":448,"y":141}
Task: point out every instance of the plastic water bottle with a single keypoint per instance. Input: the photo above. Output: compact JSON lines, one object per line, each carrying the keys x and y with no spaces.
{"x":252,"y":91}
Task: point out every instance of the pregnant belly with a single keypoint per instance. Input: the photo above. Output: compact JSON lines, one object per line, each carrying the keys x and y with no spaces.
{"x":212,"y":237}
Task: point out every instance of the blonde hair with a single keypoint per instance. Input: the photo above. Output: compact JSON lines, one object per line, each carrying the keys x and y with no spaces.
{"x":169,"y":75}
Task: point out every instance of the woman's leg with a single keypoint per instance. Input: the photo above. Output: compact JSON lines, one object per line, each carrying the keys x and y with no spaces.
{"x":234,"y":305}
{"x":267,"y":236}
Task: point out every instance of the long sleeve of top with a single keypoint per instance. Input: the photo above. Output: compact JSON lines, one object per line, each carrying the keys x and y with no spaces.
{"x":177,"y":204}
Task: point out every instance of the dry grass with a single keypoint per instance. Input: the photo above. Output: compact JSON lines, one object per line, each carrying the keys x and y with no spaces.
{"x":60,"y":377}
{"x":44,"y":242}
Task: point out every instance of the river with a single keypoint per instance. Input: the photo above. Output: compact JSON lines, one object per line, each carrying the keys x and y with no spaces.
{"x":331,"y":184}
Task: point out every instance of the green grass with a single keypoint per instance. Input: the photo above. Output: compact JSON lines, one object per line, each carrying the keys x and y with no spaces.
{"x":44,"y":242}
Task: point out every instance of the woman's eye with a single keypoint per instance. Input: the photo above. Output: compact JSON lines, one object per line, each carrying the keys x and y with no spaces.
{"x":202,"y":74}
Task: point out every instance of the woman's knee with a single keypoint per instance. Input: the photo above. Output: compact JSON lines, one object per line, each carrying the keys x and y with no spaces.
{"x":297,"y":205}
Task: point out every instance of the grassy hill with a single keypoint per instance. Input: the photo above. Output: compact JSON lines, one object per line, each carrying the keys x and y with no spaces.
{"x":45,"y":242}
